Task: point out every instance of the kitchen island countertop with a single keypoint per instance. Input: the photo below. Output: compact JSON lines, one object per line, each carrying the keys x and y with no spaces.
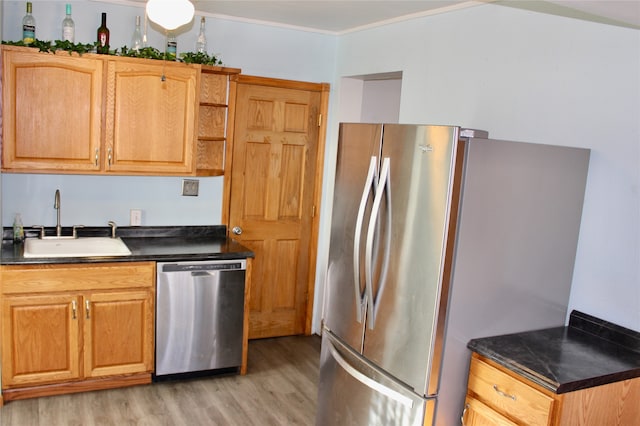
{"x":154,"y":243}
{"x":588,"y":352}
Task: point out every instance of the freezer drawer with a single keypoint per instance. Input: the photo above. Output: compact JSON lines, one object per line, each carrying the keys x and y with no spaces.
{"x":354,"y":392}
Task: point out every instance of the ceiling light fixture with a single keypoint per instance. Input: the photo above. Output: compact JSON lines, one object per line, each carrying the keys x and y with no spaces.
{"x":170,"y":14}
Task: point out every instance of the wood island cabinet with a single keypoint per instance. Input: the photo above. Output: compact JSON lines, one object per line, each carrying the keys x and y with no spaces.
{"x":499,"y":396}
{"x":74,"y":327}
{"x":104,"y":114}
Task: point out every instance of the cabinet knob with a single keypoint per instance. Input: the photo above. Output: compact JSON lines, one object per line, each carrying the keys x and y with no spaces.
{"x":237,"y":230}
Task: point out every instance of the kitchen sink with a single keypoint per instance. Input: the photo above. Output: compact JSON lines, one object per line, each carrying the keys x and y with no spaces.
{"x":75,"y":247}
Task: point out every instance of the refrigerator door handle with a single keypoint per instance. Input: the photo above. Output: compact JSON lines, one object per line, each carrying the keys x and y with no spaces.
{"x":369,"y":382}
{"x":369,"y":185}
{"x":384,"y":189}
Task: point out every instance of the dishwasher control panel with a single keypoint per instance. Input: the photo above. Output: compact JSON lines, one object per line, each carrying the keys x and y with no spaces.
{"x":203,"y":266}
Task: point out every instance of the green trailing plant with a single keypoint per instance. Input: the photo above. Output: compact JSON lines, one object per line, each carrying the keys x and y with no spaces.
{"x":199,"y":58}
{"x":54,"y":46}
{"x":71,"y":47}
{"x":145,"y":52}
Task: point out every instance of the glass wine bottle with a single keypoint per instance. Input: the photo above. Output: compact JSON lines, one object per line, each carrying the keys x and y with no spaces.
{"x":201,"y":42}
{"x":68,"y":26}
{"x":28,"y":26}
{"x":172,"y":46}
{"x":136,"y":39}
{"x":103,"y":36}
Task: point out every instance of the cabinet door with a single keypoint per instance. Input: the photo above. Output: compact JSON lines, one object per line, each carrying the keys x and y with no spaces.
{"x":39,"y":339}
{"x":150,"y":117}
{"x":52,"y":112}
{"x":118,"y":332}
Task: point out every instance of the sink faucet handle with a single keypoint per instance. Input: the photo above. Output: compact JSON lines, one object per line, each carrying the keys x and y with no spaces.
{"x":56,"y":205}
{"x":41,"y":228}
{"x":75,"y":230}
{"x":113,"y":226}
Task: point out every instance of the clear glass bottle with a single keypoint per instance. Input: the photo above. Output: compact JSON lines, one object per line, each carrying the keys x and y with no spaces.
{"x":28,"y":26}
{"x":144,"y":33}
{"x":201,"y":42}
{"x":136,"y":39}
{"x":103,"y":36}
{"x":68,"y":26}
{"x":172,"y":46}
{"x":18,"y":229}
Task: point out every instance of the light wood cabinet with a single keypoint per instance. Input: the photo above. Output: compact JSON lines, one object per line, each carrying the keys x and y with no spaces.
{"x":52,"y":106}
{"x":498,"y":396}
{"x":215,"y":120}
{"x":99,"y":114}
{"x":40,"y":341}
{"x":150,"y":116}
{"x":73,"y":327}
{"x":118,"y":332}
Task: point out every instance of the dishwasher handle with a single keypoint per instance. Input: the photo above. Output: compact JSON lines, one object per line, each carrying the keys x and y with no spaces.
{"x":202,"y":266}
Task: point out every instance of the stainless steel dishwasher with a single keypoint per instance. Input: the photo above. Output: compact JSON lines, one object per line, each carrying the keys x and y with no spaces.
{"x":199,"y":316}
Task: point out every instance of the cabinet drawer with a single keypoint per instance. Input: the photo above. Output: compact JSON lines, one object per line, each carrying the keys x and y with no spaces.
{"x":508,"y":395}
{"x":76,"y":276}
{"x":477,"y":414}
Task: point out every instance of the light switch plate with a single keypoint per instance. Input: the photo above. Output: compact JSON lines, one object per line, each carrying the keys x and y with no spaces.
{"x":190,"y":187}
{"x":135,"y":217}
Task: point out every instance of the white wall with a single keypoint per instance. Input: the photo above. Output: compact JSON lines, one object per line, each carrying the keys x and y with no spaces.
{"x":92,"y":200}
{"x":538,"y":78}
{"x":95,"y":200}
{"x":381,"y":101}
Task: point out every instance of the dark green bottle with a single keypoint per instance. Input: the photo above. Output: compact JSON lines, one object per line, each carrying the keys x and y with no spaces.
{"x":103,"y":36}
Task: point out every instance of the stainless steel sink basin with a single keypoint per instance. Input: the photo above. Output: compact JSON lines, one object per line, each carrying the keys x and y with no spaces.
{"x":75,"y":247}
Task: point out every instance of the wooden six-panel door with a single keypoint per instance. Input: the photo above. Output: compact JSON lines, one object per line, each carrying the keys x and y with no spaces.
{"x":275,"y":183}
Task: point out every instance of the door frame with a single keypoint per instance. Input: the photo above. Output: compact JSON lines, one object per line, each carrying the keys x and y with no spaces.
{"x":323,"y":89}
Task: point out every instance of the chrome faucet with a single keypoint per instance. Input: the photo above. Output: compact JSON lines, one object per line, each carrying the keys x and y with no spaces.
{"x":113,"y":226}
{"x":56,"y":205}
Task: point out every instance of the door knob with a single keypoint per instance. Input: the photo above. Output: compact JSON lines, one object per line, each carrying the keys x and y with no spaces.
{"x":237,"y":230}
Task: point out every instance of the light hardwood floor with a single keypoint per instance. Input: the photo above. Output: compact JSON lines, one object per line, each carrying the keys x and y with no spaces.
{"x":279,"y":389}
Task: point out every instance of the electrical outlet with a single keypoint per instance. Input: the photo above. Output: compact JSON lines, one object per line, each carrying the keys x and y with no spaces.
{"x":190,"y":187}
{"x":135,"y":217}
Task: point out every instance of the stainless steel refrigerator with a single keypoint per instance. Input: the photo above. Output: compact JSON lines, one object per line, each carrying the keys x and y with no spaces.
{"x":438,"y":235}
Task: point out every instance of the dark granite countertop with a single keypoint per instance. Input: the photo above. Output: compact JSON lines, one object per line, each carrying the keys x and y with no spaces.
{"x":151,"y":243}
{"x":588,"y":352}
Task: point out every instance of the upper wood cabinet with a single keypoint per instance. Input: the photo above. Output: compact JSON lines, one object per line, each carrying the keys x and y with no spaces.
{"x":103,"y":114}
{"x":52,"y":106}
{"x":215,"y":120}
{"x":150,"y":116}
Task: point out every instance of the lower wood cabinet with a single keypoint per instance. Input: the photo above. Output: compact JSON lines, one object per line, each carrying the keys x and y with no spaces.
{"x":498,"y":396}
{"x":41,"y":339}
{"x":76,"y":327}
{"x":118,"y":333}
